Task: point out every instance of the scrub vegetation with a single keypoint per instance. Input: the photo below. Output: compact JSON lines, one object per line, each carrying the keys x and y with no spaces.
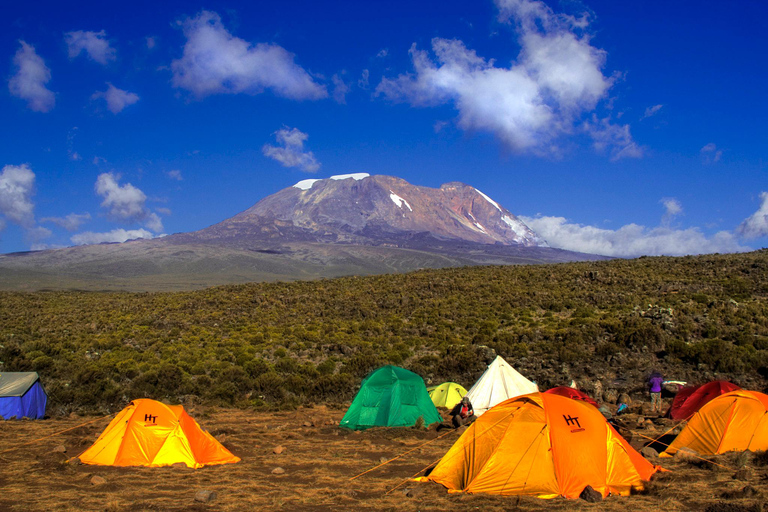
{"x":290,"y":344}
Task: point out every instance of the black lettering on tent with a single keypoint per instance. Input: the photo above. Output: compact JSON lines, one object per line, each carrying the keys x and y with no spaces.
{"x":571,"y":421}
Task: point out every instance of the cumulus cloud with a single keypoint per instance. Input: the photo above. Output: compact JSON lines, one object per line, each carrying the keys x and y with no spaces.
{"x":17,"y":186}
{"x":652,"y":111}
{"x":556,"y":78}
{"x":94,"y":44}
{"x":117,"y":99}
{"x":116,"y":235}
{"x":216,"y":62}
{"x":756,"y":225}
{"x":631,"y":240}
{"x":28,"y":82}
{"x":363,"y":81}
{"x":125,"y":202}
{"x":291,"y":152}
{"x":71,"y":222}
{"x":710,"y":153}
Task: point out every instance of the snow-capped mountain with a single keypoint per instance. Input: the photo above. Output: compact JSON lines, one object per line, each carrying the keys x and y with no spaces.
{"x":379,"y":209}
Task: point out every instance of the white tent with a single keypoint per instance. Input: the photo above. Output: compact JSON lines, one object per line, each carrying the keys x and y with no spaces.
{"x":499,"y":382}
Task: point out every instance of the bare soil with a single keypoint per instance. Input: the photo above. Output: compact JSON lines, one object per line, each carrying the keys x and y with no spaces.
{"x":320,"y":460}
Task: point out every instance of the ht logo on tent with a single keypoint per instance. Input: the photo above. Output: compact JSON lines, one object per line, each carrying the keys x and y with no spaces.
{"x":150,"y":419}
{"x":571,"y":421}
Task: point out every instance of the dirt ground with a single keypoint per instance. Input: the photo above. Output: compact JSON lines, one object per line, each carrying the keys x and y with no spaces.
{"x":319,"y":459}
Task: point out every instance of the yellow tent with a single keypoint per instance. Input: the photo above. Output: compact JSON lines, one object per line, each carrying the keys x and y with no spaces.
{"x":541,"y":445}
{"x":446,"y":394}
{"x":149,"y":433}
{"x":735,"y":421}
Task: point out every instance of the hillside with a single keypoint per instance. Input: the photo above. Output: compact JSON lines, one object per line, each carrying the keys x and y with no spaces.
{"x":694,"y":318}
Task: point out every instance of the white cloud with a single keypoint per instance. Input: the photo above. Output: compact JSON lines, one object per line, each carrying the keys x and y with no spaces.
{"x":71,"y":222}
{"x":710,"y":153}
{"x":340,"y":90}
{"x":164,"y":211}
{"x":631,"y":240}
{"x":216,"y":62}
{"x":672,"y":208}
{"x":174,"y":174}
{"x":17,"y":185}
{"x":95,"y":44}
{"x":613,"y":138}
{"x":363,"y":82}
{"x":125,"y":202}
{"x":556,"y":78}
{"x":33,"y":236}
{"x":652,"y":111}
{"x":291,"y":153}
{"x":28,"y":83}
{"x":151,"y":42}
{"x":382,"y":53}
{"x":756,"y":225}
{"x":116,"y":235}
{"x":117,"y":99}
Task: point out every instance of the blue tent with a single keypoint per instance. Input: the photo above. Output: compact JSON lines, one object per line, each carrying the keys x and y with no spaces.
{"x":21,"y":396}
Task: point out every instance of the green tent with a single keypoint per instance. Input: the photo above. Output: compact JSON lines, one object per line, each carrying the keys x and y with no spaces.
{"x":390,"y":397}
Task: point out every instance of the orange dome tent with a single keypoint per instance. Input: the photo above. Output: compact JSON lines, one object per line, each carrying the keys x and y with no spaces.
{"x":735,"y":421}
{"x":542,"y":445}
{"x":149,"y":433}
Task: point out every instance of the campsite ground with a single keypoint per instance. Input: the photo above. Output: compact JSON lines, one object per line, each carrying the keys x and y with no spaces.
{"x":318,"y":460}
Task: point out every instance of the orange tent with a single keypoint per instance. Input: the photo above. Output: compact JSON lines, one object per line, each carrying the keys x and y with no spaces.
{"x":541,"y":445}
{"x":735,"y":421}
{"x":149,"y":433}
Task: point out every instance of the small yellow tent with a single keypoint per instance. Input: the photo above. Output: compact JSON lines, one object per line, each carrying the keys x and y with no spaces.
{"x":735,"y":421}
{"x":446,"y":394}
{"x":149,"y":433}
{"x":541,"y":445}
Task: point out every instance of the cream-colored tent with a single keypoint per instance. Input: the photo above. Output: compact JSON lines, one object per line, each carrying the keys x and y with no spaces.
{"x":499,"y":382}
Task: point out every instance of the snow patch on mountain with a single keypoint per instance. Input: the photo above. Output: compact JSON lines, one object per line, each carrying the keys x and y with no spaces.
{"x":494,"y":203}
{"x":399,"y":201}
{"x":307,"y":184}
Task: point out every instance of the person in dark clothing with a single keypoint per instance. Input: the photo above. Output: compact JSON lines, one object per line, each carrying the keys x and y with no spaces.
{"x":462,"y":413}
{"x":655,"y":382}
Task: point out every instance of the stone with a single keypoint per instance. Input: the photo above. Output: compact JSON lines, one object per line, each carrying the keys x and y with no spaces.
{"x":278,"y":450}
{"x":649,"y":453}
{"x":686,"y":454}
{"x":278,"y":471}
{"x":60,"y":449}
{"x":178,"y":465}
{"x":221,"y":438}
{"x":590,"y":495}
{"x":97,"y":480}
{"x":382,"y":460}
{"x":204,"y":496}
{"x":742,"y":474}
{"x":624,"y":398}
{"x":611,"y":396}
{"x":308,"y":424}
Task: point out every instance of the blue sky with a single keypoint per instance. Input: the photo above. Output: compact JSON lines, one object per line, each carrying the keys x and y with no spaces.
{"x":620,"y":128}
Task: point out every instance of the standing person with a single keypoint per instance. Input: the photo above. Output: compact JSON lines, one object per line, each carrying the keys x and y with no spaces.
{"x":655,"y":382}
{"x":462,"y":413}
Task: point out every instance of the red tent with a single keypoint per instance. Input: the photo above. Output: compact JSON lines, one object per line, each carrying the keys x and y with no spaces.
{"x":572,"y":393}
{"x":692,"y":398}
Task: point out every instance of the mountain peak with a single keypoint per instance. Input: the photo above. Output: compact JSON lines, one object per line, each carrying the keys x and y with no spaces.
{"x":378,"y":209}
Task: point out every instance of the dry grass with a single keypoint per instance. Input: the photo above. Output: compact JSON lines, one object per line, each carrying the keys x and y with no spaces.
{"x":319,"y":461}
